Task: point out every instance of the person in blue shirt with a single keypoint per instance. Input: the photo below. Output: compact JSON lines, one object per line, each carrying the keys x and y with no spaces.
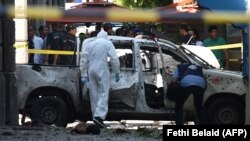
{"x":192,"y":81}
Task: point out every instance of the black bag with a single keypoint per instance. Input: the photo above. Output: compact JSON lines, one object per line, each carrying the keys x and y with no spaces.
{"x":173,"y":91}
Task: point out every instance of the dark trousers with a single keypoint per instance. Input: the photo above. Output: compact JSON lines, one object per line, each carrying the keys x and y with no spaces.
{"x":198,"y":94}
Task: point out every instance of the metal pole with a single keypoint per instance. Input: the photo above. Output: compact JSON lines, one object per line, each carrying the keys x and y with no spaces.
{"x":2,"y":79}
{"x":2,"y":95}
{"x":9,"y":68}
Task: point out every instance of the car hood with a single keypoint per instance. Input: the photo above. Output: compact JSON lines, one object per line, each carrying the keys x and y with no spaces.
{"x":227,"y":72}
{"x":205,"y":53}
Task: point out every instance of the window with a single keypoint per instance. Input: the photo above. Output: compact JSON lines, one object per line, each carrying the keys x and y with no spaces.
{"x":145,"y":60}
{"x":169,"y":61}
{"x":125,"y":58}
{"x":124,"y":49}
{"x":152,"y":58}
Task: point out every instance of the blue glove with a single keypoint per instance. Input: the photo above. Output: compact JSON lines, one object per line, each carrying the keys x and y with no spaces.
{"x":84,"y":80}
{"x":117,"y":77}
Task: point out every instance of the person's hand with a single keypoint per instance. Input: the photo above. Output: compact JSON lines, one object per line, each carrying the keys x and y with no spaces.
{"x":117,"y":77}
{"x":84,"y":80}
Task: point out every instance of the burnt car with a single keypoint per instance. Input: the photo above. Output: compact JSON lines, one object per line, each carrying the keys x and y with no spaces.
{"x":54,"y":95}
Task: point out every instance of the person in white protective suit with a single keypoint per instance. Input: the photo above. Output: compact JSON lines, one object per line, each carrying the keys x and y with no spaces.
{"x":95,"y":70}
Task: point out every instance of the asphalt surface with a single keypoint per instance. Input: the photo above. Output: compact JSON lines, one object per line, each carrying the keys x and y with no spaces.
{"x":126,"y":130}
{"x":117,"y":131}
{"x":58,"y":134}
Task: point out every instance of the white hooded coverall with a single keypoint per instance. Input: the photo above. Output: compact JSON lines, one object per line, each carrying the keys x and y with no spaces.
{"x":94,"y":65}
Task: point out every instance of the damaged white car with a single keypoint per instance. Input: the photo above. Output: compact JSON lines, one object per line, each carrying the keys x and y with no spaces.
{"x":53,"y":94}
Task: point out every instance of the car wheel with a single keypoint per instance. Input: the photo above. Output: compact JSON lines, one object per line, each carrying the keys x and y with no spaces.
{"x":226,"y":110}
{"x":49,"y":110}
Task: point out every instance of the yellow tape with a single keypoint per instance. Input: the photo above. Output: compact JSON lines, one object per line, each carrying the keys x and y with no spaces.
{"x":225,"y":17}
{"x":234,"y":60}
{"x":135,"y":16}
{"x":59,"y":52}
{"x":41,"y":12}
{"x":128,"y":15}
{"x":238,"y":45}
{"x":21,"y":45}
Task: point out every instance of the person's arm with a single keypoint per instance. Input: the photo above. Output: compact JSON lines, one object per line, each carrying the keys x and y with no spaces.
{"x":55,"y":59}
{"x":30,"y":46}
{"x":46,"y":61}
{"x":175,"y":76}
{"x":38,"y":42}
{"x":59,"y":46}
{"x":84,"y":61}
{"x":48,"y":47}
{"x":84,"y":67}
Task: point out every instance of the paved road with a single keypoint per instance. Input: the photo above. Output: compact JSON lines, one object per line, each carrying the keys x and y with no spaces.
{"x":129,"y":130}
{"x":51,"y":133}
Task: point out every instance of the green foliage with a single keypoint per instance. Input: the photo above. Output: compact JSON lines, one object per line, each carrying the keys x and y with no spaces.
{"x":143,"y":3}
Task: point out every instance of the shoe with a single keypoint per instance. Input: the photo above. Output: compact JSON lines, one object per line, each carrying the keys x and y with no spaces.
{"x":99,"y":122}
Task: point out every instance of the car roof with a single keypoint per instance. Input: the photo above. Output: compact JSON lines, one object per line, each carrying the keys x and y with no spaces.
{"x":129,"y":39}
{"x":208,"y":57}
{"x":123,"y":38}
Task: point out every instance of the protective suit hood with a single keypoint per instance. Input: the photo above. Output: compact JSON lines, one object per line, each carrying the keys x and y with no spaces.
{"x":102,"y":34}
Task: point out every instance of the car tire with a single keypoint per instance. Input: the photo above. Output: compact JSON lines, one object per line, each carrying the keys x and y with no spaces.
{"x":226,"y":110}
{"x":49,"y":110}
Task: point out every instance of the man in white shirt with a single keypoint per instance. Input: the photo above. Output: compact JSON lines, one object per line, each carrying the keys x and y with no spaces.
{"x":38,"y":44}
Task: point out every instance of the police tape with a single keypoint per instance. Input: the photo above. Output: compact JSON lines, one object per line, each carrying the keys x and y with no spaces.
{"x":136,"y":15}
{"x":60,"y":52}
{"x":229,"y":46}
{"x":221,"y":17}
{"x":37,"y":51}
{"x":41,"y":12}
{"x":234,"y":60}
{"x":231,"y":60}
{"x":21,"y":45}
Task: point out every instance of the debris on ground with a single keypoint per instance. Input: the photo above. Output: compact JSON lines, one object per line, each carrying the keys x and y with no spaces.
{"x":82,"y":128}
{"x":144,"y":132}
{"x":8,"y":133}
{"x":54,"y":133}
{"x":121,"y":131}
